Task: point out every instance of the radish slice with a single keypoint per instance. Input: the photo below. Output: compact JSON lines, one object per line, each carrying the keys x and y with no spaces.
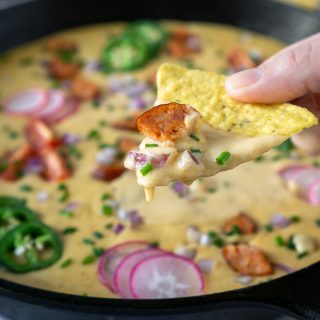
{"x":289,"y":173}
{"x":305,"y":177}
{"x":112,"y":257}
{"x":166,"y":276}
{"x":68,"y":109}
{"x":56,"y":101}
{"x":121,"y":276}
{"x":314,"y":192}
{"x":27,"y":102}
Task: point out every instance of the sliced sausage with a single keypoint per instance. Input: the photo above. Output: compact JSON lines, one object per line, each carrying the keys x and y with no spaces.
{"x":84,"y":89}
{"x":245,"y":224}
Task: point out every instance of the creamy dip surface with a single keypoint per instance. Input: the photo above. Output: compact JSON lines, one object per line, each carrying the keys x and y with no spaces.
{"x":254,"y":187}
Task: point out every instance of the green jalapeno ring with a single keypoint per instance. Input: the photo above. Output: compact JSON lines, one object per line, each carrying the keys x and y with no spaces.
{"x":124,"y":53}
{"x":11,"y":216}
{"x":6,"y":201}
{"x":149,"y":31}
{"x":33,"y":239}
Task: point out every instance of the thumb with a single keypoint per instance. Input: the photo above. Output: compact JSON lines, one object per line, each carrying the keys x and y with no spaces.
{"x":291,"y":73}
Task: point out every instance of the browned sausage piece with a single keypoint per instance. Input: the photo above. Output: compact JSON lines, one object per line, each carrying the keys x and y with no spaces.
{"x":60,"y":44}
{"x":127,"y":144}
{"x":84,"y":89}
{"x":108,"y":172}
{"x":247,"y":260}
{"x":164,"y":122}
{"x":128,"y":124}
{"x":63,"y":70}
{"x":245,"y":224}
{"x":239,"y":59}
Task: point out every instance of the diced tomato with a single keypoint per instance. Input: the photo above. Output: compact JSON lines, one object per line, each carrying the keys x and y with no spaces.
{"x":13,"y":162}
{"x":55,"y":167}
{"x":40,"y":135}
{"x":108,"y":172}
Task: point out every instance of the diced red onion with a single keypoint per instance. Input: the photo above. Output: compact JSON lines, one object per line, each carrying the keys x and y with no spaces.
{"x":134,"y":218}
{"x":284,"y":268}
{"x":106,"y":155}
{"x":245,"y":280}
{"x":118,"y":228}
{"x":42,"y":196}
{"x":180,"y":188}
{"x":135,"y":89}
{"x":206,"y":265}
{"x":194,"y":42}
{"x":159,"y":161}
{"x":137,"y":104}
{"x":92,"y":65}
{"x":33,"y":165}
{"x":71,"y":139}
{"x":71,"y":206}
{"x":278,"y":220}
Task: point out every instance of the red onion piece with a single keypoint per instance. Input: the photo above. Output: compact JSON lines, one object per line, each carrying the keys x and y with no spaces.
{"x":194,"y":159}
{"x":278,"y":220}
{"x":206,"y":265}
{"x":245,"y":280}
{"x":71,"y":206}
{"x":118,"y":228}
{"x":71,"y":138}
{"x":135,"y":219}
{"x":284,"y":268}
{"x":180,"y":188}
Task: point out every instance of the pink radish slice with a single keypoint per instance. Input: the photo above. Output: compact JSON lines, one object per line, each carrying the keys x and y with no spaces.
{"x":55,"y":103}
{"x":305,"y":178}
{"x":289,"y":173}
{"x":27,"y":102}
{"x":314,"y":192}
{"x":68,"y":109}
{"x":112,"y":257}
{"x":166,"y":276}
{"x":121,"y":276}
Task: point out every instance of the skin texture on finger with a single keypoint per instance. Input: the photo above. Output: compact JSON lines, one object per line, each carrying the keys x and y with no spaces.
{"x":309,"y":139}
{"x":291,"y":73}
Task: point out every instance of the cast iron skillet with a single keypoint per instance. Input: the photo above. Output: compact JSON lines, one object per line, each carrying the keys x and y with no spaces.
{"x":297,"y":294}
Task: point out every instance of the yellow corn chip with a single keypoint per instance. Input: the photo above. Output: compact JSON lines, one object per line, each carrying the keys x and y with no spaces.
{"x":205,"y":92}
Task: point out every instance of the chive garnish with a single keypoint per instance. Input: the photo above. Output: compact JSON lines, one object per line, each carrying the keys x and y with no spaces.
{"x":259,"y":159}
{"x":151,"y":145}
{"x":223,"y":158}
{"x":290,"y":244}
{"x":194,"y":137}
{"x":88,"y":241}
{"x":279,"y":241}
{"x":285,"y":146}
{"x":146,"y":169}
{"x":268,"y":228}
{"x":96,"y":104}
{"x":212,"y":190}
{"x":98,"y":252}
{"x":88,"y":260}
{"x":74,"y":152}
{"x":105,"y":196}
{"x":26,"y":188}
{"x":218,"y":242}
{"x":109,"y":226}
{"x":295,"y":219}
{"x":97,"y":235}
{"x":102,"y":123}
{"x":69,"y":230}
{"x":64,"y":192}
{"x":94,"y":135}
{"x":302,"y":255}
{"x":66,"y":213}
{"x":317,"y":222}
{"x":66,"y":263}
{"x":107,"y":210}
{"x":212,"y":234}
{"x":13,"y":134}
{"x":235,"y":230}
{"x":195,"y":150}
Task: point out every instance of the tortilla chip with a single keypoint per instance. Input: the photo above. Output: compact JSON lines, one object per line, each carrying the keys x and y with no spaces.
{"x":205,"y":92}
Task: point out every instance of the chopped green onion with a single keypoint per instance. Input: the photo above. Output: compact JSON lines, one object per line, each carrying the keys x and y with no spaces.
{"x":69,"y":230}
{"x":96,"y":104}
{"x":88,"y":241}
{"x":212,"y":190}
{"x":26,"y":188}
{"x":105,"y":196}
{"x":89,"y":259}
{"x":66,"y":263}
{"x":107,"y":210}
{"x":98,"y":252}
{"x":3,"y":166}
{"x":151,"y":145}
{"x":13,"y":134}
{"x":194,"y":137}
{"x":146,"y":169}
{"x":109,"y":226}
{"x":268,"y":228}
{"x":74,"y":152}
{"x":223,"y":158}
{"x":64,"y":192}
{"x":195,"y":150}
{"x":103,"y":123}
{"x":260,"y":158}
{"x":98,"y":235}
{"x":218,"y":242}
{"x":94,"y":134}
{"x":285,"y":146}
{"x":212,"y":234}
{"x":66,"y":213}
{"x":110,"y":107}
{"x":235,"y":230}
{"x":295,"y":219}
{"x":316,"y":163}
{"x":54,"y":84}
{"x":280,"y":242}
{"x":302,"y":255}
{"x":317,"y":222}
{"x":290,"y":244}
{"x":226,"y":184}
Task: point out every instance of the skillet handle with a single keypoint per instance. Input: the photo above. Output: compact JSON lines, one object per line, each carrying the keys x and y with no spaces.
{"x":298,"y":293}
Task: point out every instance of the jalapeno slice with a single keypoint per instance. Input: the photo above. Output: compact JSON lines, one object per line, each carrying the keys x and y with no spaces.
{"x":124,"y":53}
{"x":6,"y":201}
{"x":149,"y":31}
{"x":11,"y":216}
{"x":28,"y":247}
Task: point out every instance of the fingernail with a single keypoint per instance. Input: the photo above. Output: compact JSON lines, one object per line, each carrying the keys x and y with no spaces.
{"x":243,"y":79}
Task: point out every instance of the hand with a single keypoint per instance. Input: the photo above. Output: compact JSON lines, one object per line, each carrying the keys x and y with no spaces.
{"x":292,"y":74}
